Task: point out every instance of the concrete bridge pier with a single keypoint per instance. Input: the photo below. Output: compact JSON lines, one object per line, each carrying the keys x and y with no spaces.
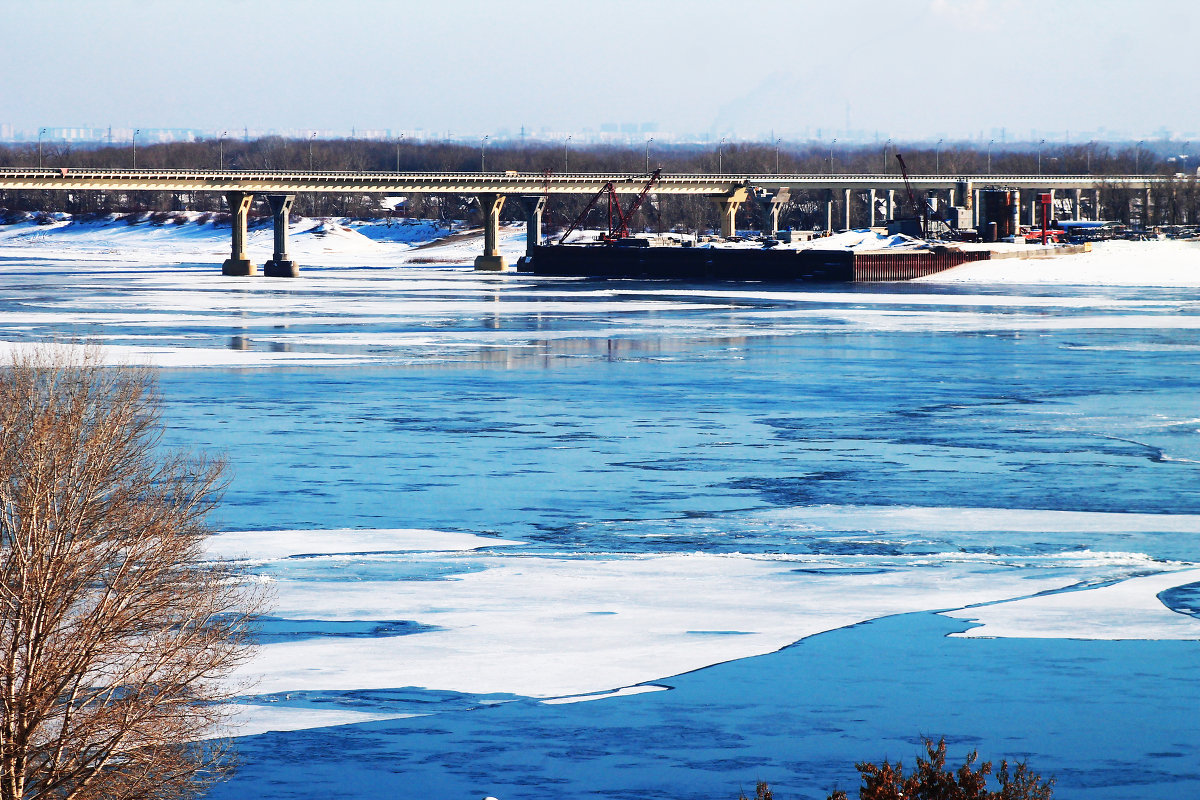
{"x":870,"y":208}
{"x":771,"y":205}
{"x":491,"y":260}
{"x":1076,"y":213}
{"x":534,"y":205}
{"x":846,"y":209}
{"x":729,"y":205}
{"x":1096,"y":210}
{"x":281,"y":264}
{"x":829,"y":210}
{"x":237,"y":263}
{"x":890,"y":208}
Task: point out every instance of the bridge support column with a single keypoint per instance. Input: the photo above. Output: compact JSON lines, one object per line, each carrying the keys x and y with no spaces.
{"x":771,"y":205}
{"x":829,"y":210}
{"x":534,"y":205}
{"x":1147,"y":216}
{"x":237,"y":263}
{"x":729,"y":205}
{"x":281,"y":264}
{"x":846,"y":209}
{"x":1075,"y":201}
{"x":891,"y":204}
{"x":1096,"y":210}
{"x":870,"y":208}
{"x":491,"y":260}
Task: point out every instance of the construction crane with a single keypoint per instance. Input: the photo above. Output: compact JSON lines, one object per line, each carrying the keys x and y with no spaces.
{"x":618,"y":219}
{"x":922,"y":209}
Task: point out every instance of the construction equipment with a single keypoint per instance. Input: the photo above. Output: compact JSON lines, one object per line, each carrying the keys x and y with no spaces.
{"x":618,"y":219}
{"x":921,"y":208}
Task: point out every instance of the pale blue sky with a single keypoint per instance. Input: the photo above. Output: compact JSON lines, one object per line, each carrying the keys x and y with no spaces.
{"x":903,"y":68}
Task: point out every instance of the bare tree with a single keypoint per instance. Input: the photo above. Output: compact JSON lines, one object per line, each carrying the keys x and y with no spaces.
{"x":117,"y":634}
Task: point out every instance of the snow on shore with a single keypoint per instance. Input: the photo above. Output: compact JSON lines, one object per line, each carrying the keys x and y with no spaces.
{"x":1116,"y":263}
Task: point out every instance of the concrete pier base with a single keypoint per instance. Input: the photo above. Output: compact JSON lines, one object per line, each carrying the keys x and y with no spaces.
{"x":533,"y":205}
{"x":491,"y":260}
{"x":238,"y":264}
{"x":771,"y":205}
{"x":281,"y":264}
{"x":728,"y":206}
{"x":492,"y":264}
{"x":239,"y":267}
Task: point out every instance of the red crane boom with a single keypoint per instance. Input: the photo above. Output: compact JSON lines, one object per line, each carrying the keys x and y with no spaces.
{"x":922,"y":209}
{"x":618,"y":220}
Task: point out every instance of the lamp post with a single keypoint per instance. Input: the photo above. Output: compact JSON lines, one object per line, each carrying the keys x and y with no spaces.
{"x":221,"y":150}
{"x":886,"y":147}
{"x":648,"y":141}
{"x":990,"y":143}
{"x":721,"y":157}
{"x":566,"y":147}
{"x":1040,"y":145}
{"x":1090,"y":146}
{"x":40,"y":132}
{"x":483,"y":154}
{"x":777,"y":141}
{"x":135,"y":135}
{"x":1137,"y":157}
{"x":311,"y":139}
{"x":399,"y":139}
{"x":831,"y":144}
{"x":937,"y":158}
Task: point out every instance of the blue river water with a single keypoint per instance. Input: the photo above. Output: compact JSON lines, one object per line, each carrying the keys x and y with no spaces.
{"x":679,"y":426}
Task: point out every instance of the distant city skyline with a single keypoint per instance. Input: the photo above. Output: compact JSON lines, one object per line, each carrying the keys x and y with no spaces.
{"x":960,"y":70}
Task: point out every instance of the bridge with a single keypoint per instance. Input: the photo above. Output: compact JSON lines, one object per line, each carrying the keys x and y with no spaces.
{"x":491,"y":190}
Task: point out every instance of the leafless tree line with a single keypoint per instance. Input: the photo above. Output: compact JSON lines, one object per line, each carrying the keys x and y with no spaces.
{"x":1176,"y":202}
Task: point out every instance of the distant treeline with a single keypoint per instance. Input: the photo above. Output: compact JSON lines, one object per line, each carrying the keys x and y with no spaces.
{"x":1176,"y":203}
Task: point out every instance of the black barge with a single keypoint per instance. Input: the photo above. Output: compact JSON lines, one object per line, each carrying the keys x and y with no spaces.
{"x":745,"y":264}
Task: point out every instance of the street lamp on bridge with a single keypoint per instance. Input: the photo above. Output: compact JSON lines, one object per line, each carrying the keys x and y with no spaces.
{"x":40,"y":132}
{"x":483,"y":154}
{"x":136,"y":131}
{"x":648,"y":141}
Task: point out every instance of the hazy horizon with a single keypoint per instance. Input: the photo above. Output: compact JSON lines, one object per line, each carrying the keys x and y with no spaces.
{"x":955,"y":69}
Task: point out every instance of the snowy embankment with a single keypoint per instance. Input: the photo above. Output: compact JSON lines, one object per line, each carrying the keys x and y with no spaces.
{"x":1116,"y":263}
{"x":192,"y":236}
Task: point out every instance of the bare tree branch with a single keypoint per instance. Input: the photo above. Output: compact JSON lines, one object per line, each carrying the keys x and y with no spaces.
{"x":117,"y":636}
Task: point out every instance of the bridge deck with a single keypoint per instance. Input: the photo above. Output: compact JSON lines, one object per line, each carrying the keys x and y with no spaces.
{"x":520,"y":183}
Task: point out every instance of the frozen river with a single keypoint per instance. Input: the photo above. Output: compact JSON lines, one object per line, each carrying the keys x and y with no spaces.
{"x":765,"y":531}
